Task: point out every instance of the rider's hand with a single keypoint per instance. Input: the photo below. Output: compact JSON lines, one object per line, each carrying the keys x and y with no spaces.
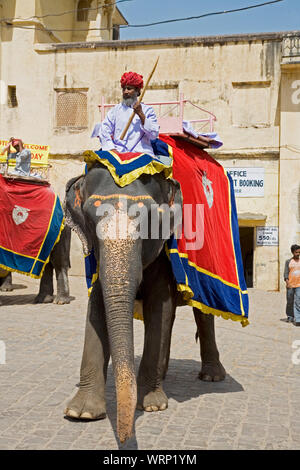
{"x":137,"y":108}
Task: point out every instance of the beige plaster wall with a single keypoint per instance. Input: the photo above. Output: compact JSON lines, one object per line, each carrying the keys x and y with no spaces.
{"x":289,"y":162}
{"x":211,"y":76}
{"x":266,"y":262}
{"x":66,"y":21}
{"x":7,"y":10}
{"x":24,"y":8}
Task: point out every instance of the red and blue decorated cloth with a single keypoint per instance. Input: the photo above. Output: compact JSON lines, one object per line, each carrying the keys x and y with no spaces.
{"x":126,"y":167}
{"x":31,"y":223}
{"x":206,"y":260}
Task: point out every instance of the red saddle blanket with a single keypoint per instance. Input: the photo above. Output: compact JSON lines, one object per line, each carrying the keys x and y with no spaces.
{"x":31,"y":223}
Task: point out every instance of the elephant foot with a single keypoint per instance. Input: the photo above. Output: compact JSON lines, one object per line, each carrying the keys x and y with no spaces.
{"x":154,"y":400}
{"x":212,"y":372}
{"x":86,"y":405}
{"x":6,"y":288}
{"x":43,"y":299}
{"x":61,"y":300}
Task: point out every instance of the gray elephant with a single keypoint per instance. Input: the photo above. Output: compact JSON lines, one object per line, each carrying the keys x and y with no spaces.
{"x":129,"y":267}
{"x":60,"y":262}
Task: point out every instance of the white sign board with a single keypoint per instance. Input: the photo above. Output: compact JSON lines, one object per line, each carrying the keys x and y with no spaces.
{"x":248,"y":182}
{"x":267,"y":236}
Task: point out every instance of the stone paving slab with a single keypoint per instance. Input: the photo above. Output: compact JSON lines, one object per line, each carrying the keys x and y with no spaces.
{"x":256,"y":407}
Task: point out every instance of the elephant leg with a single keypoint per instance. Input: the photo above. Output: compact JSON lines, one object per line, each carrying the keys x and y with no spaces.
{"x":62,"y":294}
{"x":89,"y":401}
{"x":45,"y":295}
{"x":212,"y":370}
{"x":159,"y":305}
{"x":6,"y":283}
{"x":60,"y":258}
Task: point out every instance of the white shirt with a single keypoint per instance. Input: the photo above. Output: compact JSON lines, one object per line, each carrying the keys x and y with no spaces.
{"x":138,"y":137}
{"x":23,"y":161}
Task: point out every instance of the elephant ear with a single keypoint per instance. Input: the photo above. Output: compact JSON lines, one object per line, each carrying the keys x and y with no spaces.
{"x":74,"y":217}
{"x":174,"y":192}
{"x":175,"y":201}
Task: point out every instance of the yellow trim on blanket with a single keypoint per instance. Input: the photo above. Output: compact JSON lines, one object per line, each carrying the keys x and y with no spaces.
{"x":188,"y":294}
{"x":170,"y":150}
{"x":94,"y":277}
{"x":42,"y":244}
{"x":186,"y":291}
{"x":20,"y":254}
{"x":123,"y":162}
{"x":138,"y":316}
{"x":204,"y":271}
{"x":150,"y":169}
{"x":226,"y":315}
{"x":34,"y":276}
{"x":233,"y":247}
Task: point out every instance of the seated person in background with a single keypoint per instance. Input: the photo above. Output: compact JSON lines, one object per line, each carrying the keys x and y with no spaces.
{"x":22,"y":156}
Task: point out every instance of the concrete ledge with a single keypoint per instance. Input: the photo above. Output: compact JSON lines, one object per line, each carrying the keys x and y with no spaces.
{"x":67,"y":156}
{"x":178,"y":41}
{"x":251,"y":216}
{"x":274,"y":154}
{"x":236,"y":153}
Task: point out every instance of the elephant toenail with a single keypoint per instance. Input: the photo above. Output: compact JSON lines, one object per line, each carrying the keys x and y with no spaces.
{"x":86,"y":415}
{"x":206,"y":378}
{"x":72,"y":413}
{"x":148,"y":408}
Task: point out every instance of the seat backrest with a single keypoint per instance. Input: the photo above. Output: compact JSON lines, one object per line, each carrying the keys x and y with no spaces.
{"x":170,"y":125}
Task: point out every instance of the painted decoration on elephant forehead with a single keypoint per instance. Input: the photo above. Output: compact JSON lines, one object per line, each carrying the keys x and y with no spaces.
{"x":31,"y":223}
{"x":127,"y":167}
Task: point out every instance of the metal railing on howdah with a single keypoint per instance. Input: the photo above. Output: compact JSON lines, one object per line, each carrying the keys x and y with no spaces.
{"x":170,"y":123}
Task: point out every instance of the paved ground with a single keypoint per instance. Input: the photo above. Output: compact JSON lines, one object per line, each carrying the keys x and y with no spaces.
{"x":256,"y":407}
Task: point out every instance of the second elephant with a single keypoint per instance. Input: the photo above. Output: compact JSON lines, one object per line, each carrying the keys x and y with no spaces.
{"x":60,"y":263}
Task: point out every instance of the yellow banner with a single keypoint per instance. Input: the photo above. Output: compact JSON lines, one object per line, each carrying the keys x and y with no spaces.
{"x":39,"y":154}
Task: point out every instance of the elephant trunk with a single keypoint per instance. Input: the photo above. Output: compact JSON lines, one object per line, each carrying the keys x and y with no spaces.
{"x":120,"y":275}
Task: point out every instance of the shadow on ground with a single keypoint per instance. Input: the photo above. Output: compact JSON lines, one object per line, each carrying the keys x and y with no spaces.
{"x":15,"y":287}
{"x":17,"y":299}
{"x":181,"y":384}
{"x":22,"y":299}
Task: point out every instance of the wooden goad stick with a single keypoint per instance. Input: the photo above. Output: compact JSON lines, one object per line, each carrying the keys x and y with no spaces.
{"x":139,"y":100}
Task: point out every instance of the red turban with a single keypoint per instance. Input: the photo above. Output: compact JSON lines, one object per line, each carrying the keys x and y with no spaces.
{"x":132,"y":79}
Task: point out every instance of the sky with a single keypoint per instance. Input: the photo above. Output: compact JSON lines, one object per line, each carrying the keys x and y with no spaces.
{"x":281,"y":16}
